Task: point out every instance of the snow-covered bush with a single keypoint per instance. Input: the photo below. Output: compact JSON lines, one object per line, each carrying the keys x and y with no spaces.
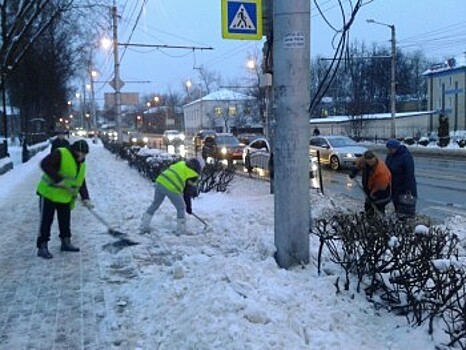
{"x":423,"y":141}
{"x":409,"y":141}
{"x":413,"y":269}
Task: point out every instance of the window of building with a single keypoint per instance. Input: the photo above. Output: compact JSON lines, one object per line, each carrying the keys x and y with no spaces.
{"x":232,"y":110}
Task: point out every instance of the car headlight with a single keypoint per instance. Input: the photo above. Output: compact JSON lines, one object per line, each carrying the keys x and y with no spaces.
{"x":182,"y":137}
{"x":224,"y":150}
{"x":349,"y":155}
{"x":145,"y":139}
{"x":134,"y":140}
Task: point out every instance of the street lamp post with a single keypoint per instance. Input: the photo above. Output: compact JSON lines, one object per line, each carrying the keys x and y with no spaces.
{"x":392,"y":76}
{"x":93,"y":110}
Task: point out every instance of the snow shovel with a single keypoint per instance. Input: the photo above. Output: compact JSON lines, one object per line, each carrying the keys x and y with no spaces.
{"x":206,"y":225}
{"x":122,"y":242}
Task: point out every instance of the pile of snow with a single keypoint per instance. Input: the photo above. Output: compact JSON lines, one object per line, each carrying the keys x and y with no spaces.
{"x":220,"y":289}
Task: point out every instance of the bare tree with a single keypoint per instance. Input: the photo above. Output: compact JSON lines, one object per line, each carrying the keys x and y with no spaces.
{"x":210,"y":80}
{"x":43,"y":45}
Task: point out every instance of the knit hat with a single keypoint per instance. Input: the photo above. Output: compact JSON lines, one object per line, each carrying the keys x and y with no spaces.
{"x":195,"y":164}
{"x":80,"y":146}
{"x":393,"y":143}
{"x":369,"y":155}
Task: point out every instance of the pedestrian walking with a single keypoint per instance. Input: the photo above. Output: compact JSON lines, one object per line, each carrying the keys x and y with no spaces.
{"x":316,"y":131}
{"x":60,"y":141}
{"x":376,"y":182}
{"x":404,"y":189}
{"x":64,"y":177}
{"x":179,"y":180}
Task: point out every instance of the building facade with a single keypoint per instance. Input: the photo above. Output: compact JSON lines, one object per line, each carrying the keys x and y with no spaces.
{"x":220,"y":110}
{"x":446,"y":87}
{"x":375,"y":126}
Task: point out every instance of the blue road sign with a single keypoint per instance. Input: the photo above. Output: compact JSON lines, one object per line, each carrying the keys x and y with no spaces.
{"x":242,"y":19}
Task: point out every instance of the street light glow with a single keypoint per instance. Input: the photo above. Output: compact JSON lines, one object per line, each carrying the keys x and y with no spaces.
{"x":251,"y":63}
{"x":106,"y":43}
{"x":189,"y":84}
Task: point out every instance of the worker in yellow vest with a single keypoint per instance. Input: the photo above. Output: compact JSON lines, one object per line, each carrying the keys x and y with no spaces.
{"x":64,"y":177}
{"x":171,"y":183}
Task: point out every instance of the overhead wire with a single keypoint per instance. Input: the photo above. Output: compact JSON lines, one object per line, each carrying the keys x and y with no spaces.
{"x":144,"y":2}
{"x":341,"y":48}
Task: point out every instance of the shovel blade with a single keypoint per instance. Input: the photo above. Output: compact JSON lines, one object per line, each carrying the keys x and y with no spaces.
{"x":116,"y":246}
{"x":116,"y":233}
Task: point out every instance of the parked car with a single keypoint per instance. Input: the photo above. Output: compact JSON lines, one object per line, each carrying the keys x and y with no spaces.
{"x":246,"y":139}
{"x":222,"y":146}
{"x":198,"y":139}
{"x":336,"y":151}
{"x":256,"y":155}
{"x":171,"y":137}
{"x":138,"y":139}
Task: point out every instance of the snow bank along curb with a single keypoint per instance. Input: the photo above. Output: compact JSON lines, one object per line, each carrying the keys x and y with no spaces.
{"x":431,"y":152}
{"x":6,"y":164}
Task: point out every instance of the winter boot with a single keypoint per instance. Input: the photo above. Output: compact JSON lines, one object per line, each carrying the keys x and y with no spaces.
{"x":144,"y":227}
{"x":43,"y":251}
{"x":66,"y":245}
{"x":180,"y":226}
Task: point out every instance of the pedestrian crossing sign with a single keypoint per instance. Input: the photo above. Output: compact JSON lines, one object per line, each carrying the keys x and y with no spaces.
{"x":242,"y":19}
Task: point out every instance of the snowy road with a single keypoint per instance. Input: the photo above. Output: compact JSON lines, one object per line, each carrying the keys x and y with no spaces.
{"x":220,"y":290}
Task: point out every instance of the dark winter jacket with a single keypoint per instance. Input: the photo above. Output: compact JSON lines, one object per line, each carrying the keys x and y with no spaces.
{"x":190,"y":191}
{"x":401,"y":165}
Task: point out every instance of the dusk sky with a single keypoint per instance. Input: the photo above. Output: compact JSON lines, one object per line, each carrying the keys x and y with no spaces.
{"x":437,"y":27}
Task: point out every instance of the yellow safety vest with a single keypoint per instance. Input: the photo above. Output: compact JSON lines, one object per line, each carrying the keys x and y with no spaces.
{"x":72,"y":180}
{"x":174,"y":178}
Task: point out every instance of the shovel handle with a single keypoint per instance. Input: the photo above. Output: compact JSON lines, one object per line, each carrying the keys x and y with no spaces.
{"x":200,"y":219}
{"x":101,"y":219}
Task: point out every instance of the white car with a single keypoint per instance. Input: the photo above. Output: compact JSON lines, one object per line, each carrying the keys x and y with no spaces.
{"x":336,"y":151}
{"x":173,"y":137}
{"x":256,"y":155}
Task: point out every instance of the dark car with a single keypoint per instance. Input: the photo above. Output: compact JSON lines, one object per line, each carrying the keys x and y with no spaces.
{"x":222,"y":147}
{"x":199,"y":138}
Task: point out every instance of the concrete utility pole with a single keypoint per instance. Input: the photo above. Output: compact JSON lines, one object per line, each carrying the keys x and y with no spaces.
{"x":117,"y":80}
{"x":291,"y":89}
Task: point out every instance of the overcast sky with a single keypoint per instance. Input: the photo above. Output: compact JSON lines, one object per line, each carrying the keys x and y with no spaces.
{"x":437,"y":27}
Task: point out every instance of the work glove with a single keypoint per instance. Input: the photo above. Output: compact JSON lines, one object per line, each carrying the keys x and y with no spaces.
{"x":88,"y":204}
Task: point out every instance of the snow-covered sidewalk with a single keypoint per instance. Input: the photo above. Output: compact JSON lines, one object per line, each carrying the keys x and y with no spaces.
{"x":214,"y":290}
